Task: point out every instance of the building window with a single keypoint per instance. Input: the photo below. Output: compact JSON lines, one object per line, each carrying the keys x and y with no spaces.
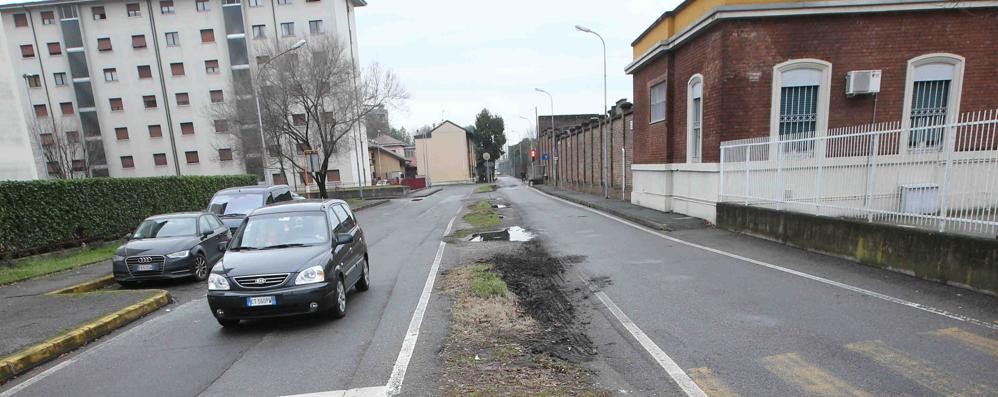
{"x":67,"y":108}
{"x":149,"y":101}
{"x":41,"y":111}
{"x":227,"y":2}
{"x":221,"y":126}
{"x":283,"y":2}
{"x":192,"y":157}
{"x":287,"y":29}
{"x":145,"y":72}
{"x":121,"y":133}
{"x":139,"y":41}
{"x":20,"y":20}
{"x":207,"y":35}
{"x":932,"y":98}
{"x":315,"y":27}
{"x":155,"y":131}
{"x":55,"y":48}
{"x":187,"y":128}
{"x":225,"y":154}
{"x":127,"y":162}
{"x":298,"y":119}
{"x":166,"y":7}
{"x":216,"y":96}
{"x":159,"y":158}
{"x":211,"y":66}
{"x":133,"y":10}
{"x":99,"y":14}
{"x":73,"y":136}
{"x":79,"y":165}
{"x":800,"y":102}
{"x":116,"y":104}
{"x":259,"y":31}
{"x":47,"y":139}
{"x":110,"y":74}
{"x":183,"y":99}
{"x":27,"y":51}
{"x":201,"y":5}
{"x":333,"y":175}
{"x":255,"y":3}
{"x":177,"y":68}
{"x":172,"y":39}
{"x":657,"y":95}
{"x":60,"y":78}
{"x":48,"y":17}
{"x":104,"y":44}
{"x":280,"y":179}
{"x":34,"y":80}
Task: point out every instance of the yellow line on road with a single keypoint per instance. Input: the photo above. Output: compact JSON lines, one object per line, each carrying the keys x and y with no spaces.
{"x":710,"y":383}
{"x":798,"y":372}
{"x":972,"y":340}
{"x":920,"y":371}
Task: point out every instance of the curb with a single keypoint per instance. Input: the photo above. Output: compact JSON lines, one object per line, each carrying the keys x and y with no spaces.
{"x":373,"y":204}
{"x":19,"y":362}
{"x":86,"y":286}
{"x":432,"y":191}
{"x":620,"y":214}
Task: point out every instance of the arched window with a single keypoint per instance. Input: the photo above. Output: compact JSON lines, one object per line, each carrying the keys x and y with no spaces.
{"x":932,"y":98}
{"x":694,"y":119}
{"x":800,"y":102}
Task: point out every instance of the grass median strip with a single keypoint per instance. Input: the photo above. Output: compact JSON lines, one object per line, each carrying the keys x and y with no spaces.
{"x":480,"y":217}
{"x":35,"y":267}
{"x":485,"y":188}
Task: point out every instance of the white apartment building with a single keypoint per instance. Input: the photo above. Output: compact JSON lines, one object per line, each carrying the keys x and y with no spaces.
{"x":136,"y":81}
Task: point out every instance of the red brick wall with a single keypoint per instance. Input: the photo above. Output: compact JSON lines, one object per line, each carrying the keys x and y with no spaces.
{"x":731,"y":51}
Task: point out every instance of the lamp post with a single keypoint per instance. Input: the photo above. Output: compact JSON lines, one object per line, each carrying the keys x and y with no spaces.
{"x":259,"y":115}
{"x":551,"y":99}
{"x":606,"y":188}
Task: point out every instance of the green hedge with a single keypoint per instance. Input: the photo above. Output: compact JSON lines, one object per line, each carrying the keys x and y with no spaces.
{"x":43,"y":215}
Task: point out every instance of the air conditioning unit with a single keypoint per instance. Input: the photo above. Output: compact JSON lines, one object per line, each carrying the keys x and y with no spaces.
{"x":861,"y":82}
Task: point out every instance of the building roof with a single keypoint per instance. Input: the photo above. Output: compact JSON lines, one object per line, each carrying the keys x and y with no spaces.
{"x":429,"y":134}
{"x":388,"y":152}
{"x":386,"y":140}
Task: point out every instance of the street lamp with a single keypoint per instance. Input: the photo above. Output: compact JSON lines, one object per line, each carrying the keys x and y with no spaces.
{"x":606,"y":187}
{"x":259,"y":115}
{"x":554,"y":137}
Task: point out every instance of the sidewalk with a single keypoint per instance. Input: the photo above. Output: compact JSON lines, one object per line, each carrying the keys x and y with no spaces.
{"x":667,"y":221}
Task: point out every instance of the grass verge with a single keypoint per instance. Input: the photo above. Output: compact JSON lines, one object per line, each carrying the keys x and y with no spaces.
{"x":31,"y":268}
{"x":482,"y":215}
{"x":489,"y":348}
{"x":485,"y":188}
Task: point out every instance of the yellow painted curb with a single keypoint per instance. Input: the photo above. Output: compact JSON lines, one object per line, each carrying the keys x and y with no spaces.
{"x":18,"y":363}
{"x":86,"y":286}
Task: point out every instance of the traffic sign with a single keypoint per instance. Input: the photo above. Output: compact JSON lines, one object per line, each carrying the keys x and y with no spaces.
{"x":544,"y":156}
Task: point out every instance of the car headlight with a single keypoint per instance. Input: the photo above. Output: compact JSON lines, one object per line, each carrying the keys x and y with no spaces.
{"x":217,"y":282}
{"x":312,"y":275}
{"x":117,"y":258}
{"x":179,"y":254}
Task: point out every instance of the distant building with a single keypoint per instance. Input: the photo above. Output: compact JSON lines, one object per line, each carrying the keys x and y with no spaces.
{"x":388,"y":161}
{"x":446,"y":154}
{"x":711,"y":71}
{"x":135,"y":82}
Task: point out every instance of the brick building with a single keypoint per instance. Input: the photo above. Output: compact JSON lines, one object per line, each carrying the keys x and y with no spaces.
{"x":711,"y":71}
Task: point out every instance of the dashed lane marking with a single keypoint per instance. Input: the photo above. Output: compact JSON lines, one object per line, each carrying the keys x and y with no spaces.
{"x":796,"y":371}
{"x":920,"y":371}
{"x":710,"y":383}
{"x":375,"y":391}
{"x":969,"y":339}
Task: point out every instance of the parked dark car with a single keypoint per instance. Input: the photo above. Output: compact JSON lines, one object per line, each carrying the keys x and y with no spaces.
{"x":171,"y":246}
{"x":232,"y":204}
{"x":291,"y":258}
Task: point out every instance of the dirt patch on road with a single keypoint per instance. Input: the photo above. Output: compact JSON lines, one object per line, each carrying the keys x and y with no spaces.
{"x":515,"y":334}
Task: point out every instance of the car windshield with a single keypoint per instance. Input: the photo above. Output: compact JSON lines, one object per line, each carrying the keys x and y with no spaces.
{"x":235,"y":204}
{"x":282,"y":230}
{"x":168,"y":227}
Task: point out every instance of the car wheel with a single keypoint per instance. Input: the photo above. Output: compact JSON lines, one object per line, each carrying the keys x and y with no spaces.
{"x":340,"y":304}
{"x":200,"y":268}
{"x":364,"y":283}
{"x":228,"y":322}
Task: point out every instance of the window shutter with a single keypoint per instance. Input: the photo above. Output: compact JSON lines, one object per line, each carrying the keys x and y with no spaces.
{"x":187,"y":128}
{"x":27,"y":51}
{"x":20,"y":20}
{"x":139,"y":41}
{"x":55,"y":48}
{"x":177,"y":68}
{"x":155,"y":131}
{"x":104,"y":44}
{"x":145,"y":72}
{"x":207,"y":36}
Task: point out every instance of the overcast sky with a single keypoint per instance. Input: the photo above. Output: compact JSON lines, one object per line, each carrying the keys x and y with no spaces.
{"x":456,"y":57}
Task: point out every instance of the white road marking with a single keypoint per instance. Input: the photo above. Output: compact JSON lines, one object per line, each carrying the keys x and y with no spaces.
{"x":808,"y":276}
{"x":36,"y":378}
{"x":409,"y":343}
{"x":374,"y":391}
{"x":671,"y":368}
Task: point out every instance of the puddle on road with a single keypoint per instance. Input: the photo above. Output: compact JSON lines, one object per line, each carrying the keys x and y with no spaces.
{"x":512,"y":233}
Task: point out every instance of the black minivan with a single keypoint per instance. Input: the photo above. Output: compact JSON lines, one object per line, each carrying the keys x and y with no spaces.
{"x":290,"y":258}
{"x":232,"y":204}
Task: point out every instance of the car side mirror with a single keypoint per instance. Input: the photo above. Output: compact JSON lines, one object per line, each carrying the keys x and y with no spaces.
{"x":223,"y":245}
{"x":205,"y":234}
{"x":344,"y":238}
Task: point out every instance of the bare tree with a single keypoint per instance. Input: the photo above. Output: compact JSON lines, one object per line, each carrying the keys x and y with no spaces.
{"x":62,"y":147}
{"x":311,"y":98}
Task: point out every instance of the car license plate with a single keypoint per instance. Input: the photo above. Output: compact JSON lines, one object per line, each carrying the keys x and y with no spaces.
{"x":260,"y":301}
{"x":145,"y":268}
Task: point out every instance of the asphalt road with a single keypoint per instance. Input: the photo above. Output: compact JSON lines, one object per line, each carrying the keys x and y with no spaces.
{"x":184,"y":352}
{"x":741,"y":328}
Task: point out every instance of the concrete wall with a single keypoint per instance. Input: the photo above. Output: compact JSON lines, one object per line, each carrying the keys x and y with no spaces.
{"x":962,"y":261}
{"x":444,"y":155}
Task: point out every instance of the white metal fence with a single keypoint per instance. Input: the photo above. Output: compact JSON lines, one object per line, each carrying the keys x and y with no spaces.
{"x":933,"y":175}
